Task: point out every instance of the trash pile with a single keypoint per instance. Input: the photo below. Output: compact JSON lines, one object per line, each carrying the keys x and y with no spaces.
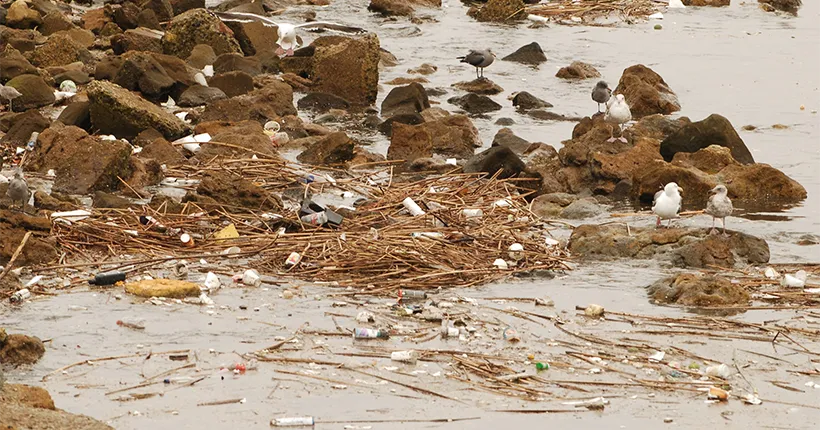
{"x":588,"y":11}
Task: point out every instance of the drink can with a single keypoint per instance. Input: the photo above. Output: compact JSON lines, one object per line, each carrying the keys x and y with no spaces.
{"x":319,"y":218}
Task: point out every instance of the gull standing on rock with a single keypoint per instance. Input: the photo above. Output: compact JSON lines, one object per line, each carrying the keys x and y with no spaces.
{"x":18,"y":189}
{"x":719,"y":206}
{"x":617,"y":111}
{"x":287,"y":32}
{"x":601,"y":93}
{"x":479,"y":60}
{"x":666,"y":204}
{"x":9,"y":93}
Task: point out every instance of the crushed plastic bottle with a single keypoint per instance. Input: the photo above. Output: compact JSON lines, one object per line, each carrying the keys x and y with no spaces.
{"x":369,"y":333}
{"x":292,"y":422}
{"x":20,"y":296}
{"x":411,"y":295}
{"x":132,"y":324}
{"x":251,"y":278}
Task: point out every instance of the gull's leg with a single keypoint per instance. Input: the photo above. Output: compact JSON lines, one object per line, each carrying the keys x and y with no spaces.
{"x":279,"y":50}
{"x":622,"y":138}
{"x":658,"y":223}
{"x":611,"y":137}
{"x":599,"y":108}
{"x":713,"y":231}
{"x":10,"y":108}
{"x":289,"y":52}
{"x":723,"y":221}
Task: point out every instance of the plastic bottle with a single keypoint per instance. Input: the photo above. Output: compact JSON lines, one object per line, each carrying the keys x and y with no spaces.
{"x":511,"y":335}
{"x":20,"y":296}
{"x":542,"y":366}
{"x":110,"y":278}
{"x":404,"y":356}
{"x":369,"y":333}
{"x":319,"y":218}
{"x":132,"y":324}
{"x":412,"y":295}
{"x":293,"y":259}
{"x":412,"y":207}
{"x":292,"y":422}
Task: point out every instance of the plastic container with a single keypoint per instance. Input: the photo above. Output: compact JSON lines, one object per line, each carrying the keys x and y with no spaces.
{"x":472,"y":213}
{"x":542,"y":366}
{"x":132,"y":324}
{"x":369,"y":333}
{"x":449,"y":332}
{"x":404,"y":356}
{"x":412,"y":295}
{"x":251,"y":278}
{"x":107,"y":278}
{"x":511,"y":334}
{"x":292,"y":422}
{"x":412,"y":207}
{"x":293,"y":259}
{"x":428,"y":234}
{"x":318,"y":219}
{"x":20,"y":296}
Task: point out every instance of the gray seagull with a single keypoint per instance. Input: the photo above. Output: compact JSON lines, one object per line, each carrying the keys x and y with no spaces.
{"x":601,"y":93}
{"x":9,"y":93}
{"x":479,"y":60}
{"x":18,"y":189}
{"x":719,"y":206}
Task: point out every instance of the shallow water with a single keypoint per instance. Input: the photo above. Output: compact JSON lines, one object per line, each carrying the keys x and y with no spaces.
{"x":752,"y":67}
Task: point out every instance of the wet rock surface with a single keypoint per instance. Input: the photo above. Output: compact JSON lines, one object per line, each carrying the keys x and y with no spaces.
{"x":19,"y":349}
{"x":646,"y":92}
{"x":578,"y":70}
{"x":26,"y":407}
{"x":714,"y":130}
{"x":701,"y":291}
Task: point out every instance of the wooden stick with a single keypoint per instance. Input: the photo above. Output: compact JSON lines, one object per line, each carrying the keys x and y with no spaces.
{"x":14,"y":256}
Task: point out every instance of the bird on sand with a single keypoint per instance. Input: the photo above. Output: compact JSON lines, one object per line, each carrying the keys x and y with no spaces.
{"x":18,"y":189}
{"x":719,"y":206}
{"x":287,"y":32}
{"x":617,"y":112}
{"x":9,"y":93}
{"x":666,"y":204}
{"x":601,"y":93}
{"x":478,"y":59}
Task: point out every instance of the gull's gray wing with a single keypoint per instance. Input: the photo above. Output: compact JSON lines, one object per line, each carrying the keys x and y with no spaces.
{"x":315,"y":25}
{"x":245,"y":17}
{"x":655,"y":199}
{"x":475,"y":57}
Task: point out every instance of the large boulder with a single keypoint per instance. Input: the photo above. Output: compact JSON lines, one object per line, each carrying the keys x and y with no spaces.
{"x":195,"y":27}
{"x":322,"y":102}
{"x":21,"y":127}
{"x":197,"y":95}
{"x":246,"y":139}
{"x":528,"y":54}
{"x":714,"y":130}
{"x":761,"y":184}
{"x":17,"y":349}
{"x":333,"y":149}
{"x":82,"y":163}
{"x":495,"y":159}
{"x":254,"y":37}
{"x":408,"y":99}
{"x":233,"y":62}
{"x":646,"y":92}
{"x":59,"y":50}
{"x":19,"y":15}
{"x":479,"y":86}
{"x":141,"y":72}
{"x":270,"y":102}
{"x":525,"y":101}
{"x":35,"y":92}
{"x":452,"y":136}
{"x":683,"y":247}
{"x":53,"y":22}
{"x":475,"y":103}
{"x":223,"y":188}
{"x":232,"y":83}
{"x":688,"y":289}
{"x":117,"y":111}
{"x":77,"y":114}
{"x":499,"y":11}
{"x":138,"y":39}
{"x":506,"y":137}
{"x":347,"y":67}
{"x":13,"y":64}
{"x":578,"y":70}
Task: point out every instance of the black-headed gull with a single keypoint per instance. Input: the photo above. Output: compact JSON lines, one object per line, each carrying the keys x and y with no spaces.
{"x":478,"y":59}
{"x":666,"y":204}
{"x":719,"y":206}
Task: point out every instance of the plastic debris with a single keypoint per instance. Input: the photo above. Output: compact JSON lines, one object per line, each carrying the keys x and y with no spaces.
{"x":365,"y":317}
{"x":212,"y":281}
{"x":110,"y":278}
{"x":133,"y":324}
{"x":598,"y":403}
{"x":293,"y":259}
{"x":228,"y":232}
{"x":751,"y":399}
{"x":409,"y":357}
{"x":716,"y":393}
{"x":70,"y":216}
{"x":542,"y":366}
{"x":292,"y":422}
{"x":369,"y":333}
{"x":412,"y":207}
{"x":798,"y":280}
{"x":411,"y":295}
{"x":20,"y":296}
{"x":511,"y":335}
{"x":594,"y":311}
{"x":251,"y":278}
{"x":472,"y":213}
{"x":170,"y":288}
{"x":721,"y":371}
{"x":501,"y":264}
{"x":656,"y":357}
{"x":516,"y":251}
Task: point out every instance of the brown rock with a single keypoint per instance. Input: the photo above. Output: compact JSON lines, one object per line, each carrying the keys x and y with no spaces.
{"x":254,"y":37}
{"x":232,"y":83}
{"x":95,"y":19}
{"x":141,"y":72}
{"x":201,"y":56}
{"x":111,"y":201}
{"x":410,"y":99}
{"x":322,"y":102}
{"x":24,"y":407}
{"x":333,"y":149}
{"x":347,"y":67}
{"x":403,"y":80}
{"x":145,"y":172}
{"x":424,"y":69}
{"x":21,"y":127}
{"x":46,"y":202}
{"x":194,"y":27}
{"x":475,"y":104}
{"x":479,"y":86}
{"x":391,"y":7}
{"x":163,"y":152}
{"x":162,"y":8}
{"x":235,"y":62}
{"x":125,"y":16}
{"x":716,"y":3}
{"x":531,"y":54}
{"x":646,"y":92}
{"x":20,"y":16}
{"x":236,"y":192}
{"x":197,"y":95}
{"x":53,"y":22}
{"x":181,"y":6}
{"x":689,"y":289}
{"x":497,"y":158}
{"x":506,"y":137}
{"x":526,"y":101}
{"x":453,"y":136}
{"x":578,"y":70}
{"x":148,"y":19}
{"x":711,"y":159}
{"x":140,"y":39}
{"x":59,"y":50}
{"x":499,"y":11}
{"x":77,"y":114}
{"x":35,"y":92}
{"x":13,"y":64}
{"x":273,"y":101}
{"x":713,"y":130}
{"x":761,"y":184}
{"x":110,"y":29}
{"x":244,"y":134}
{"x":21,"y":349}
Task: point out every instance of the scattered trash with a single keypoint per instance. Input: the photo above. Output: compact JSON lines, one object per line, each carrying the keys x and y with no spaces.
{"x":412,"y":207}
{"x":293,"y":259}
{"x":212,"y":281}
{"x":110,"y":278}
{"x":287,"y":294}
{"x":472,"y":213}
{"x":404,"y":356}
{"x":752,"y":399}
{"x":292,"y":422}
{"x":33,"y":281}
{"x":598,"y":403}
{"x":798,"y":280}
{"x":68,"y":86}
{"x":228,"y":232}
{"x":365,"y":317}
{"x":170,"y":103}
{"x":539,"y":366}
{"x":594,"y":311}
{"x":132,"y":324}
{"x":187,"y":240}
{"x":657,"y":357}
{"x":428,"y":234}
{"x":411,"y":295}
{"x":313,"y":213}
{"x":546,"y":301}
{"x":770,"y":273}
{"x":716,"y":393}
{"x":721,"y":371}
{"x":501,"y":264}
{"x":516,"y":252}
{"x":511,"y":335}
{"x":369,"y":333}
{"x":668,"y":420}
{"x":20,"y":296}
{"x":70,"y":216}
{"x":251,"y":278}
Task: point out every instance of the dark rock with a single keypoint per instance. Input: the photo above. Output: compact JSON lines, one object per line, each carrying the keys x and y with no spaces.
{"x":235,"y":62}
{"x":107,"y":68}
{"x":499,"y":11}
{"x":19,"y":349}
{"x":689,"y":289}
{"x":13,"y":64}
{"x":506,"y":137}
{"x":646,"y":92}
{"x":714,"y":130}
{"x":232,"y":83}
{"x":163,"y":152}
{"x":479,"y":86}
{"x":95,"y":19}
{"x":145,"y":172}
{"x":194,"y":27}
{"x":201,"y":56}
{"x":35,"y":92}
{"x":180,"y":6}
{"x":270,"y":63}
{"x":77,"y":76}
{"x":526,"y":101}
{"x":125,"y":16}
{"x":140,"y":39}
{"x":528,"y":54}
{"x":495,"y":159}
{"x":148,"y":19}
{"x":788,"y":6}
{"x":254,"y":37}
{"x":424,"y":69}
{"x":19,"y":15}
{"x":348,"y":68}
{"x":451,"y":136}
{"x":83,"y":163}
{"x":761,"y":184}
{"x":247,"y":137}
{"x":54,"y":22}
{"x":386,"y":127}
{"x":322,"y":102}
{"x":50,"y":203}
{"x":60,"y":50}
{"x":475,"y":104}
{"x":111,"y":201}
{"x":77,"y":114}
{"x":197,"y":95}
{"x":333,"y":149}
{"x":141,"y":72}
{"x":682,"y":247}
{"x":505,"y":122}
{"x":409,"y":99}
{"x":162,"y":8}
{"x":235,"y":192}
{"x":391,"y":7}
{"x":22,"y":126}
{"x":578,"y":70}
{"x":268,"y":103}
{"x":117,"y":111}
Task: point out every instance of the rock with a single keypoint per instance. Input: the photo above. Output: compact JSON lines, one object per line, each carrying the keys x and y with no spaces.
{"x":582,"y":208}
{"x":180,"y":6}
{"x":682,"y":247}
{"x":788,"y":6}
{"x":495,"y":159}
{"x":77,"y":76}
{"x":499,"y":11}
{"x":506,"y":137}
{"x":646,"y":92}
{"x":110,"y":29}
{"x":170,"y":288}
{"x":452,"y":136}
{"x":656,"y":126}
{"x":254,"y":37}
{"x":148,"y":19}
{"x":117,"y":111}
{"x":125,"y":16}
{"x":234,"y":62}
{"x":526,"y":101}
{"x":714,"y":130}
{"x":551,"y":205}
{"x":391,"y":7}
{"x":13,"y":64}
{"x":235,"y":192}
{"x":244,"y":134}
{"x":716,"y":3}
{"x":409,"y":99}
{"x":333,"y":149}
{"x":22,"y":126}
{"x":107,"y":68}
{"x":20,"y":349}
{"x":82,"y":163}
{"x":387,"y":59}
{"x":24,"y":407}
{"x":163,"y":152}
{"x":77,"y":114}
{"x":578,"y":70}
{"x":35,"y":92}
{"x":475,"y":104}
{"x":142,"y":72}
{"x":53,"y":22}
{"x":348,"y":68}
{"x":689,"y":289}
{"x":140,"y":39}
{"x":201,"y":56}
{"x":424,"y":69}
{"x":95,"y":19}
{"x":711,"y":159}
{"x":761,"y":184}
{"x":528,"y":54}
{"x":59,"y":50}
{"x":386,"y":127}
{"x":322,"y":102}
{"x":145,"y":172}
{"x":479,"y":86}
{"x":197,"y":95}
{"x":271,"y":102}
{"x":197,"y":26}
{"x":111,"y":201}
{"x":20,"y":16}
{"x":162,"y":8}
{"x":46,"y":202}
{"x":232,"y":83}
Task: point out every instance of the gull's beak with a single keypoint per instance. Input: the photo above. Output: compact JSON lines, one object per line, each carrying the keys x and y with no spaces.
{"x":680,"y":190}
{"x":493,"y":54}
{"x":713,"y":190}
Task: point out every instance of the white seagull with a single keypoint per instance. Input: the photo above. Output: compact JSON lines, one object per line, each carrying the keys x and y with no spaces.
{"x":676,"y":4}
{"x":287,"y":32}
{"x":617,"y":111}
{"x":666,"y":204}
{"x":719,"y":206}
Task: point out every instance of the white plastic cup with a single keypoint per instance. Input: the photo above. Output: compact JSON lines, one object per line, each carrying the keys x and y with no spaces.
{"x":411,"y":206}
{"x":404,"y":356}
{"x":251,"y":278}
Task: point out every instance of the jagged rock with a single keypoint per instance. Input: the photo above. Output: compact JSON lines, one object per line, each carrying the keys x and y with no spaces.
{"x":232,"y":83}
{"x":95,"y":19}
{"x":13,"y":64}
{"x":475,"y":104}
{"x":21,"y":127}
{"x":348,"y":68}
{"x":714,"y":130}
{"x":117,"y":111}
{"x":333,"y":149}
{"x":495,"y":159}
{"x":139,"y":39}
{"x":681,"y":246}
{"x":148,"y":19}
{"x":391,"y":7}
{"x":197,"y":26}
{"x":162,"y":8}
{"x":125,"y":16}
{"x":528,"y":54}
{"x":234,"y":62}
{"x":110,"y":29}
{"x":35,"y":92}
{"x":77,"y":114}
{"x":526,"y":101}
{"x":271,"y":102}
{"x":410,"y":99}
{"x":506,"y":137}
{"x":646,"y":92}
{"x":221,"y":187}
{"x":451,"y":136}
{"x":140,"y":71}
{"x":499,"y":11}
{"x":107,"y":68}
{"x":53,"y":22}
{"x":479,"y":86}
{"x":201,"y":56}
{"x":17,"y":349}
{"x":59,"y":50}
{"x":689,"y":289}
{"x":578,"y":70}
{"x":322,"y":102}
{"x":19,"y":15}
{"x":386,"y":126}
{"x":163,"y":152}
{"x":197,"y":95}
{"x":241,"y":134}
{"x":254,"y":37}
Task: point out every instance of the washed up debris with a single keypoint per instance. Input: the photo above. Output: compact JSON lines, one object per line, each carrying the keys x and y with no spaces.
{"x":170,"y":288}
{"x":590,"y":11}
{"x":292,"y":422}
{"x":228,"y":232}
{"x":251,"y":278}
{"x":368,"y":333}
{"x":20,"y":296}
{"x":718,"y":394}
{"x":798,"y":280}
{"x":365,"y":317}
{"x":212,"y":282}
{"x":409,"y":357}
{"x":111,"y":278}
{"x":594,"y":311}
{"x":133,"y":324}
{"x":597,"y":403}
{"x":721,"y":371}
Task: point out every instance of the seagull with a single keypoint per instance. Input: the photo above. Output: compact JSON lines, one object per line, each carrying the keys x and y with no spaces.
{"x":479,"y":60}
{"x":287,"y":32}
{"x":676,"y":4}
{"x":18,"y":189}
{"x":617,"y":111}
{"x":719,"y":206}
{"x":666,"y":204}
{"x":601,"y":93}
{"x":9,"y":93}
